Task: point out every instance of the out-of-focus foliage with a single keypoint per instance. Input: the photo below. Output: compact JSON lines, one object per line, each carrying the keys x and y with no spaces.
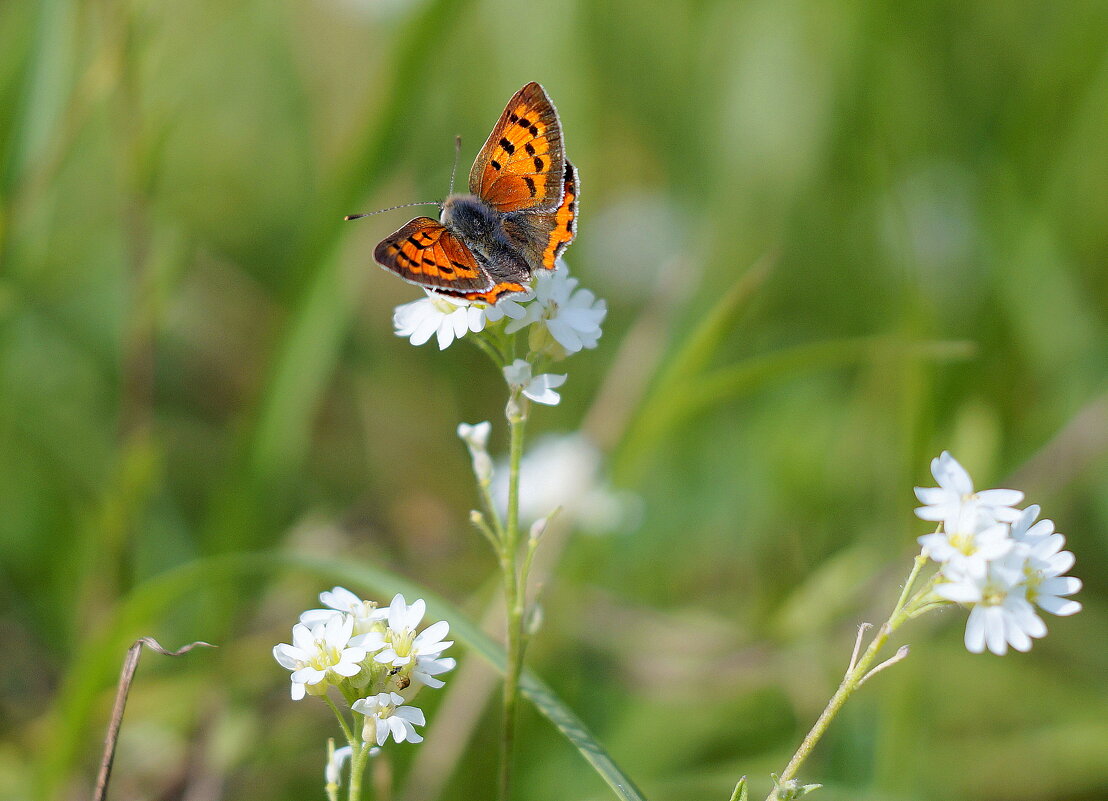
{"x":196,"y":358}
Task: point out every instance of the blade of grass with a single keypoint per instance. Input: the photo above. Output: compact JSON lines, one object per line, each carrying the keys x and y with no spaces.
{"x":689,"y":359}
{"x":727,"y":383}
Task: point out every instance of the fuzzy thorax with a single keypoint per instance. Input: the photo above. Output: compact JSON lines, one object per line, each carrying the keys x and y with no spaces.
{"x":476,"y":221}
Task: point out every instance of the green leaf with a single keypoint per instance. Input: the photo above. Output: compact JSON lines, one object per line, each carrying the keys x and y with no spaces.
{"x":740,"y":793}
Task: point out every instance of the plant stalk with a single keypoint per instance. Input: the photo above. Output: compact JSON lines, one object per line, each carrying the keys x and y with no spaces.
{"x":514,"y":593}
{"x":357,"y":769}
{"x":901,"y":612}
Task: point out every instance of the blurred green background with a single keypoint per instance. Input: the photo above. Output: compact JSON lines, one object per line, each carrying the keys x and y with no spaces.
{"x":835,"y":238}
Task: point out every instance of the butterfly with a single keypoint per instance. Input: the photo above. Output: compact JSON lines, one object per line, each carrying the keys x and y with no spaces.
{"x":519,"y":216}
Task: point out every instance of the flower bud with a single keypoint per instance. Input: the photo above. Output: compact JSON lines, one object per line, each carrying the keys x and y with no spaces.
{"x":482,"y":467}
{"x":534,"y":619}
{"x":476,"y":437}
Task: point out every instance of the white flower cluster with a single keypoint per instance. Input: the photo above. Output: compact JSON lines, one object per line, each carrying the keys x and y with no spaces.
{"x":571,"y":315}
{"x":370,"y":654}
{"x":995,"y":559}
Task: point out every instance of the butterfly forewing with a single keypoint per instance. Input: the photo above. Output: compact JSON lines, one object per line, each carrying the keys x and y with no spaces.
{"x":522,"y":164}
{"x":425,"y":252}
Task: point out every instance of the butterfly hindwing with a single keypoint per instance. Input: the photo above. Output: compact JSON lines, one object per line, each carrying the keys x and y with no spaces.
{"x":425,"y":252}
{"x":491,"y":296}
{"x":543,"y":237}
{"x":521,"y":165}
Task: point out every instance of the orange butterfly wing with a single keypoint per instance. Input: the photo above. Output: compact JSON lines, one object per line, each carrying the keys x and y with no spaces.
{"x":521,"y":165}
{"x":491,"y":296}
{"x":425,"y":252}
{"x":563,"y":222}
{"x":543,"y":236}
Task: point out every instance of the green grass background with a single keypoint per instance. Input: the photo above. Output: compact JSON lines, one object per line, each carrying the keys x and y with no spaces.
{"x":835,"y":238}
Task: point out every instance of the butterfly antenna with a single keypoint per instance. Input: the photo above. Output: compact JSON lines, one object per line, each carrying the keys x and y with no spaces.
{"x":457,"y":151}
{"x":391,"y":208}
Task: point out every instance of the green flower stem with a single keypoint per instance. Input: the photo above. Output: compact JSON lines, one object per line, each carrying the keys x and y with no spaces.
{"x":903,"y":611}
{"x":491,"y":514}
{"x":357,"y":768}
{"x":346,"y":730}
{"x":481,"y":524}
{"x":513,"y":591}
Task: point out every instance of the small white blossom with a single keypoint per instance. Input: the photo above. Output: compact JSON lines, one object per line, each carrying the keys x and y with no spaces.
{"x":956,"y":504}
{"x":385,"y":714}
{"x":1044,"y":564}
{"x":1025,"y":529}
{"x":539,"y":388}
{"x":399,"y":647}
{"x":320,"y":655}
{"x":509,"y":307}
{"x":366,"y":614}
{"x":427,"y":667}
{"x":968,"y":550}
{"x":572,"y":316}
{"x":439,"y":316}
{"x":1000,"y":614}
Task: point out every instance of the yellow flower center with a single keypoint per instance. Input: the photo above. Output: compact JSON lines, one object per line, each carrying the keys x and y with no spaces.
{"x":401,"y":641}
{"x":325,"y":655}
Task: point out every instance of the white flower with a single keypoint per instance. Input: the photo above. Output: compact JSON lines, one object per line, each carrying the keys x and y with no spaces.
{"x":427,"y":667}
{"x":956,"y":504}
{"x":1000,"y":614}
{"x":332,"y":773}
{"x":968,"y":550}
{"x":437,"y":315}
{"x":508,"y":307}
{"x":386,"y":714}
{"x":320,"y":654}
{"x":1005,"y":591}
{"x":1044,"y":564}
{"x":1025,"y":529}
{"x":417,"y":655}
{"x":366,"y":614}
{"x":540,"y":389}
{"x":573,"y":316}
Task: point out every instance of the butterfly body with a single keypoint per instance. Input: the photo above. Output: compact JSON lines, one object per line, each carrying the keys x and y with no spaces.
{"x":520,"y":213}
{"x":481,"y":228}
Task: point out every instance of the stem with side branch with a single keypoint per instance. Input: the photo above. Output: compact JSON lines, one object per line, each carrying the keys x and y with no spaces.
{"x":857,"y":674}
{"x":514,"y":592}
